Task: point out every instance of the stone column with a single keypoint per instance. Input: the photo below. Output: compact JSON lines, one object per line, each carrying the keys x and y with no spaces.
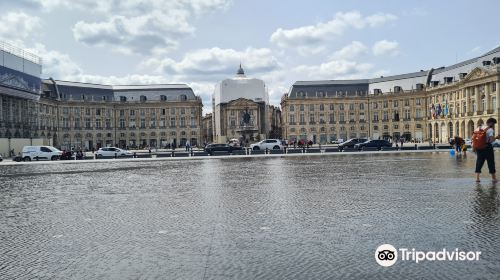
{"x":497,"y":94}
{"x":478,"y":98}
{"x":467,"y":100}
{"x":487,"y":97}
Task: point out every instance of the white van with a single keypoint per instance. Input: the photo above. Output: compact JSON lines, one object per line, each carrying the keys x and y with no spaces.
{"x":40,"y":153}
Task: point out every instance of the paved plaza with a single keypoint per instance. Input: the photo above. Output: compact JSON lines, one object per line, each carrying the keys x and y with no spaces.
{"x":296,"y":217}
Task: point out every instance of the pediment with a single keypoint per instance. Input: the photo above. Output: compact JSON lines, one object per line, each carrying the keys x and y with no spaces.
{"x":477,"y":73}
{"x":241,"y":102}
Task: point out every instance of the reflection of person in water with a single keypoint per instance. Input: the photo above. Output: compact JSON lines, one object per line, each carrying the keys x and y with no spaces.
{"x":485,"y":211}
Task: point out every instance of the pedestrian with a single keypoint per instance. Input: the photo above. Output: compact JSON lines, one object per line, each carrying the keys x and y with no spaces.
{"x":187,"y":145}
{"x":402,"y":140}
{"x":482,"y":139}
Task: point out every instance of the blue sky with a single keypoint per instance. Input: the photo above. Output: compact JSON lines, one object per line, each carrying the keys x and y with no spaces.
{"x":200,"y":42}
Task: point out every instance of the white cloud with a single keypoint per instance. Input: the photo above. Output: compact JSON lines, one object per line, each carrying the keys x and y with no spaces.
{"x":385,"y":47}
{"x":141,"y":34}
{"x":335,"y":69}
{"x":354,"y":49}
{"x":141,"y":26}
{"x":315,"y":35}
{"x":216,"y":62}
{"x":15,"y":26}
{"x":56,"y":64}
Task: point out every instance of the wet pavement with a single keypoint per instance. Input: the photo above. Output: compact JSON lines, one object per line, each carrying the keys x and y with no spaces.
{"x":246,"y":218}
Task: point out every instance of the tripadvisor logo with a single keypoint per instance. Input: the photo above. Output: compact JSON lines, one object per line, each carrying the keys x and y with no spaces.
{"x":386,"y":255}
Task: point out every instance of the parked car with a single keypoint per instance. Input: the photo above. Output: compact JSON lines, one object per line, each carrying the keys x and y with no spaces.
{"x":30,"y":153}
{"x":496,"y":143}
{"x":373,"y":143}
{"x":111,"y":151}
{"x":351,"y":142}
{"x":211,"y":148}
{"x":270,"y":144}
{"x":468,"y":142}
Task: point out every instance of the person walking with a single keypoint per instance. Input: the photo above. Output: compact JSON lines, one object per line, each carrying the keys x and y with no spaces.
{"x":482,"y":139}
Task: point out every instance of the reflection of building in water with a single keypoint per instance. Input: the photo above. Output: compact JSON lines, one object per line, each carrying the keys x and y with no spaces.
{"x":436,"y":104}
{"x":241,"y":109}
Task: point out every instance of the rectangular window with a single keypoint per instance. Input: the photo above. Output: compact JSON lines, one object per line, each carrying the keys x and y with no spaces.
{"x":332,"y":118}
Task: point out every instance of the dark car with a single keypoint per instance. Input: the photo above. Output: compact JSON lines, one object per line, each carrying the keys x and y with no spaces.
{"x":373,"y":144}
{"x":211,"y":148}
{"x":351,"y":142}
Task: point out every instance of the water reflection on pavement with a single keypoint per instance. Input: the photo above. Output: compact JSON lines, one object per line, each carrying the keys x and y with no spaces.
{"x":246,"y":218}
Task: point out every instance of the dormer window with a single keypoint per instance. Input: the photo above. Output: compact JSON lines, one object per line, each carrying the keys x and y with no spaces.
{"x":462,"y":75}
{"x":435,"y":83}
{"x":496,"y":60}
{"x":448,"y":80}
{"x":143,"y":98}
{"x":397,"y":89}
{"x":123,"y":98}
{"x":183,"y":97}
{"x":420,"y":86}
{"x":486,"y":62}
{"x":163,"y":97}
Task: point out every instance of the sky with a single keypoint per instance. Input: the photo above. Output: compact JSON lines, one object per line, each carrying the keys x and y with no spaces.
{"x":201,"y":42}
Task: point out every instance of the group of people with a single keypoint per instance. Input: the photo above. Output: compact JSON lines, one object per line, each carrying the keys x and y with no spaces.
{"x":459,"y":145}
{"x":301,"y":143}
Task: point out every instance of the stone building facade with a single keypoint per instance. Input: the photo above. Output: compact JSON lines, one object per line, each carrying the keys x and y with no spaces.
{"x":91,"y":116}
{"x":241,"y":110}
{"x":432,"y":105}
{"x":207,"y":129}
{"x":471,"y":101}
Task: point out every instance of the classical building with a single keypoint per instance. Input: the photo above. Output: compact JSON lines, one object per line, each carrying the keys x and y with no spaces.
{"x":431,"y":105}
{"x":463,"y":96}
{"x":81,"y":115}
{"x":241,"y":110}
{"x":20,"y":90}
{"x":134,"y":116}
{"x":207,"y":130}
